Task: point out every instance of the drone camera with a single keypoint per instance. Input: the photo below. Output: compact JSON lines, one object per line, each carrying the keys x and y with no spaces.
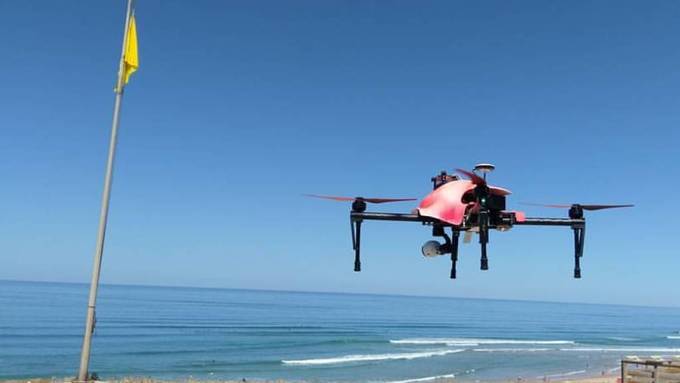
{"x":432,"y":249}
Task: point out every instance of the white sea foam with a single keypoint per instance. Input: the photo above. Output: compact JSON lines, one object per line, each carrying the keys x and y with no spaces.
{"x":673,"y":337}
{"x":512,"y":349}
{"x":570,"y":373}
{"x":623,"y":349}
{"x":426,"y":379}
{"x":473,"y":342}
{"x":622,"y":338}
{"x":370,"y":357}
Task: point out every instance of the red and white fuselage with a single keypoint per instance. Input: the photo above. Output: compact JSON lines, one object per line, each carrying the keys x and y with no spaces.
{"x":453,"y":200}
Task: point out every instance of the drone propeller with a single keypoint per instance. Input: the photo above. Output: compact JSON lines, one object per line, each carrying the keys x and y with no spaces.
{"x":584,"y":207}
{"x":370,"y":200}
{"x":477,"y":180}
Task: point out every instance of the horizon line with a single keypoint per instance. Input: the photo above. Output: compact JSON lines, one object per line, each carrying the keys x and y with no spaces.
{"x":343,"y":293}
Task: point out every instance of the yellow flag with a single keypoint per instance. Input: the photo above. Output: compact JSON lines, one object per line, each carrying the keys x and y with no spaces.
{"x":131,"y":59}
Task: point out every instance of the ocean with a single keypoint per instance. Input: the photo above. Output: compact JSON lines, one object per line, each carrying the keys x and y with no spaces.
{"x":180,"y":333}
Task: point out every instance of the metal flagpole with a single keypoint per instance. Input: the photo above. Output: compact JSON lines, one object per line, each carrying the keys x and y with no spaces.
{"x":103,"y":215}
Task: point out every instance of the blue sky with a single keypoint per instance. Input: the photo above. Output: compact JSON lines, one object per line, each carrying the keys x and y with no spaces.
{"x":240,"y":107}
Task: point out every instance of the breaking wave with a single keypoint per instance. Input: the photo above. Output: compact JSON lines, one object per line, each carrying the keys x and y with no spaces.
{"x":622,"y":349}
{"x":570,"y":373}
{"x":673,"y":337}
{"x":426,"y":379}
{"x":473,"y":342}
{"x":512,"y":349}
{"x":370,"y":357}
{"x":623,"y":339}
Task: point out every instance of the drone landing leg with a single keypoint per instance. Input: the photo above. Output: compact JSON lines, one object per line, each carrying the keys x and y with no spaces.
{"x":484,"y":237}
{"x":356,"y":243}
{"x":579,"y":237}
{"x":583,"y":239}
{"x":454,"y":252}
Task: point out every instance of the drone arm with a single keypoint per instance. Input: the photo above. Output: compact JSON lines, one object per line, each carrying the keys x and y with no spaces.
{"x":551,"y":222}
{"x":355,"y":215}
{"x":372,"y":216}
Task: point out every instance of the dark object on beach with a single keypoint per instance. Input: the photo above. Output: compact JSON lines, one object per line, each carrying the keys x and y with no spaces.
{"x":469,"y":206}
{"x":94,"y":376}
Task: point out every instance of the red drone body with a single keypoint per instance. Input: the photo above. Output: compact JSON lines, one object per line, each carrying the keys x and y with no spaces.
{"x":468,"y":206}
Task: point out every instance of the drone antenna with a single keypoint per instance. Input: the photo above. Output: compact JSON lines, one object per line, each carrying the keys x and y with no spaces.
{"x":484,"y":169}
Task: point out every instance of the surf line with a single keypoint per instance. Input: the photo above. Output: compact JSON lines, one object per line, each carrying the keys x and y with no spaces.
{"x":370,"y":357}
{"x":426,"y":379}
{"x":570,"y":373}
{"x":473,"y":342}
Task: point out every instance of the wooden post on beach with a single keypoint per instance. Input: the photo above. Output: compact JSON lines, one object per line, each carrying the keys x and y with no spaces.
{"x":624,"y":367}
{"x":128,"y":64}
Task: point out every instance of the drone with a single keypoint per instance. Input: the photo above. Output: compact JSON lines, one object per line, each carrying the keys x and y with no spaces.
{"x":465,"y":205}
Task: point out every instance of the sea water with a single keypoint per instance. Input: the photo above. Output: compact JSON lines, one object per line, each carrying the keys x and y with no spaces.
{"x":178,"y":333}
